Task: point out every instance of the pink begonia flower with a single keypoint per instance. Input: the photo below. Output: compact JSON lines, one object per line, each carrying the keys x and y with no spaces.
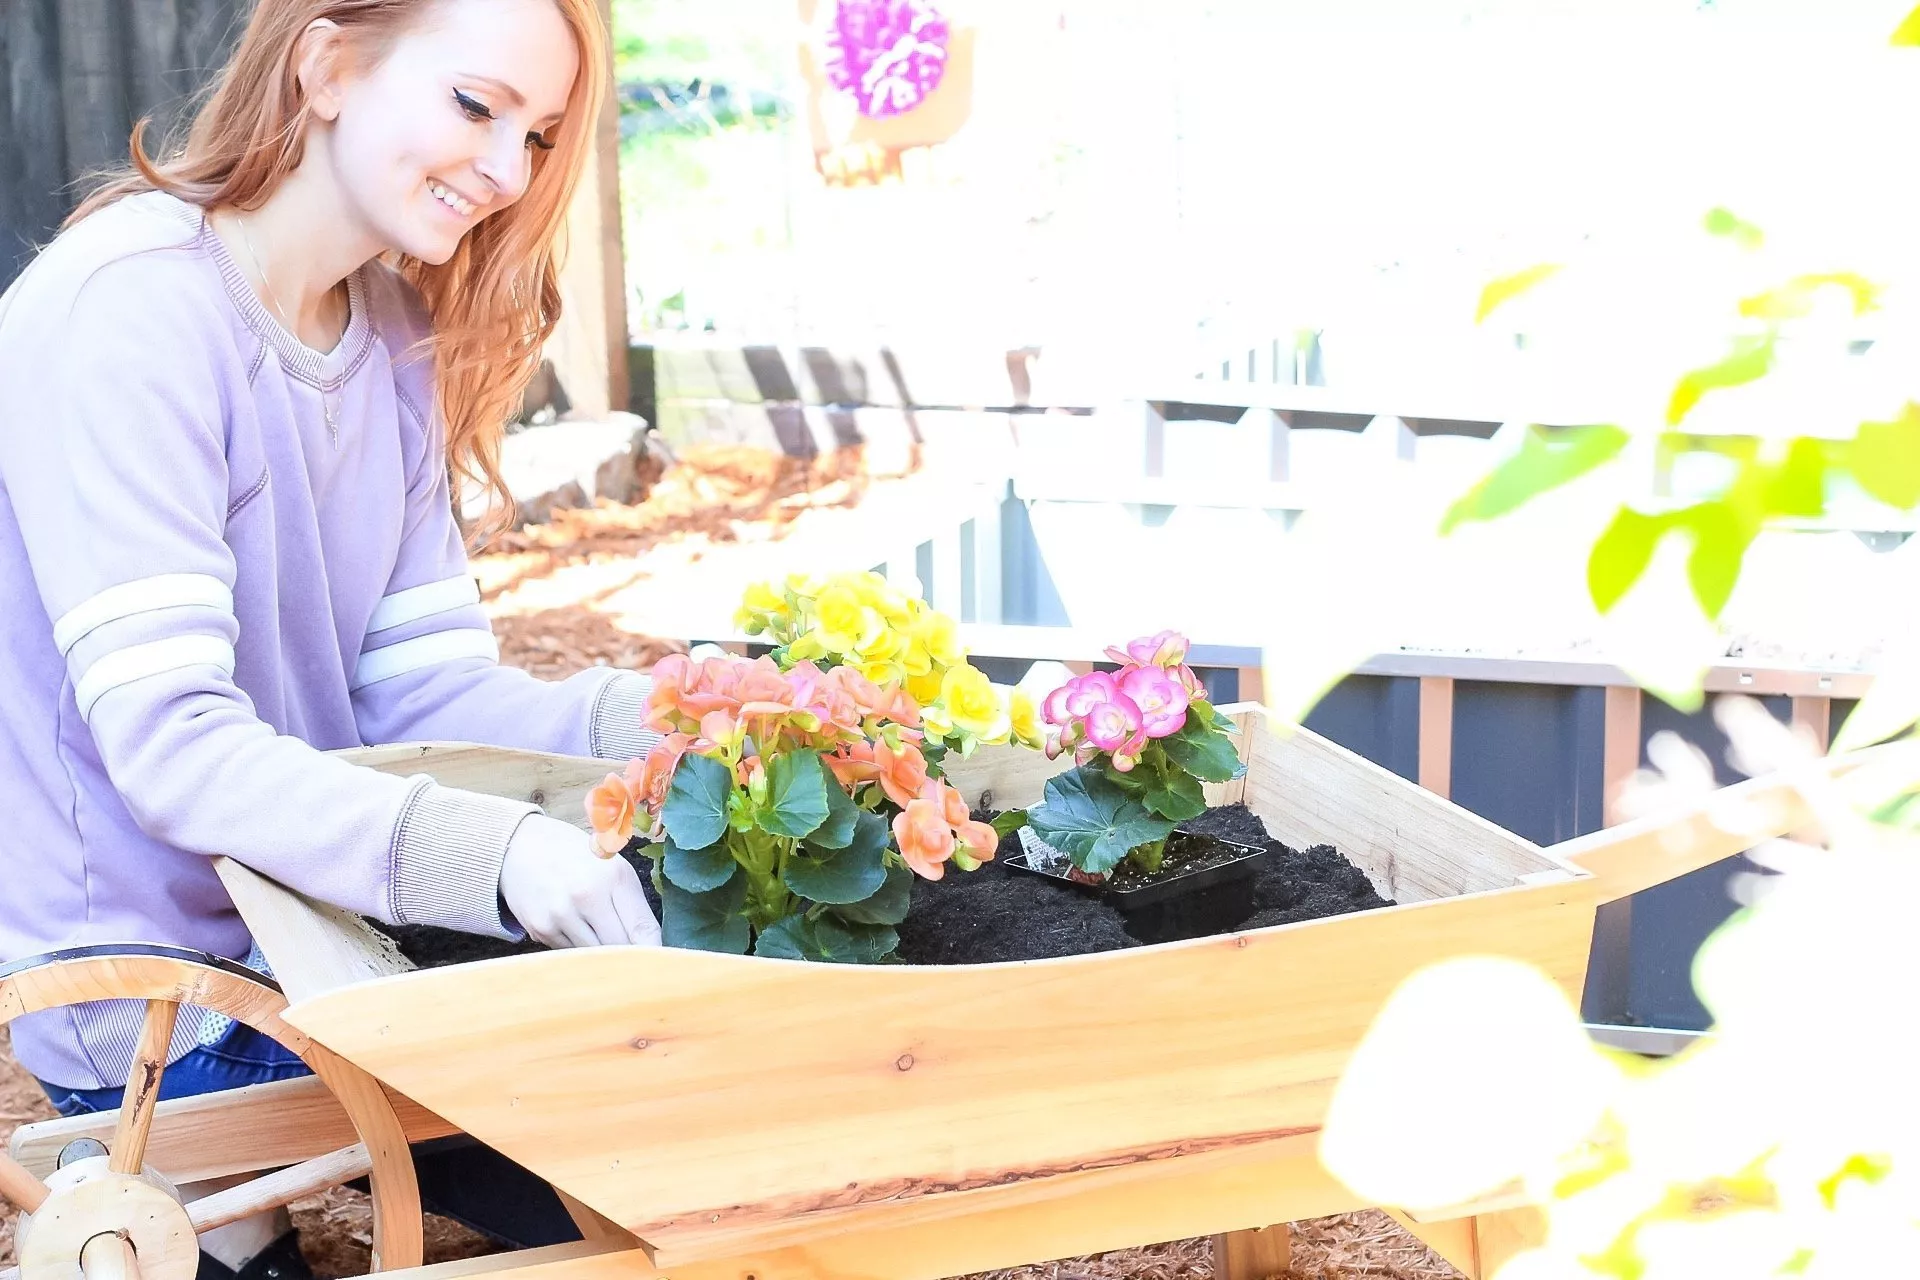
{"x":1162,"y":700}
{"x":1167,"y":649}
{"x":1074,"y":699}
{"x":1112,"y":723}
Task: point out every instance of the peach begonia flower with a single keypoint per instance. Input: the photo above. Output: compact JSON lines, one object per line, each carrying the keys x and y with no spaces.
{"x":656,"y":771}
{"x":610,"y":811}
{"x":925,"y":838}
{"x":854,"y":764}
{"x":903,"y":773}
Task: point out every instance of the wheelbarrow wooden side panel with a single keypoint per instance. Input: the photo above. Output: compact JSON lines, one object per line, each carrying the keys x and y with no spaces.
{"x":1288,"y":1183}
{"x":711,"y":1103}
{"x":694,"y":1098}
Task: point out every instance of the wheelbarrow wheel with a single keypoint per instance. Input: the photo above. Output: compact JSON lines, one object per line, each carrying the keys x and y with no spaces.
{"x":110,"y":1216}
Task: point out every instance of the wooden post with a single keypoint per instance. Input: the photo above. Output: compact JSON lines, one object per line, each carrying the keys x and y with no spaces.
{"x":989,"y":599}
{"x":1264,"y":1254}
{"x":1480,"y":1245}
{"x":1815,"y":714}
{"x":1620,"y":749}
{"x":1153,"y":460}
{"x":589,"y":347}
{"x":1278,"y":428}
{"x":1391,"y":437}
{"x":1435,"y":759}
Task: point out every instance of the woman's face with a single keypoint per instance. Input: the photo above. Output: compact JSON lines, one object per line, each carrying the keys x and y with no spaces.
{"x":443,"y":133}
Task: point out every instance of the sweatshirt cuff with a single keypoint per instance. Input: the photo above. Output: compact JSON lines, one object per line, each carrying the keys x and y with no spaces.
{"x":447,"y":854}
{"x":618,"y":731}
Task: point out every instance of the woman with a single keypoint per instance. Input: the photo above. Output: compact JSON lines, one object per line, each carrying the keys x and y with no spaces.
{"x":226,"y":538}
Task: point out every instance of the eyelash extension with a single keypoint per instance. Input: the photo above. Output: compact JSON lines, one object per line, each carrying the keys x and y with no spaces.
{"x":478,"y":111}
{"x":474,"y":108}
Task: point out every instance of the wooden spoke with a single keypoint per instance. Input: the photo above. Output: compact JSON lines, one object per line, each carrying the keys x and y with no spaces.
{"x":19,"y":1186}
{"x":129,"y":1148}
{"x":108,"y":1257}
{"x":280,"y":1188}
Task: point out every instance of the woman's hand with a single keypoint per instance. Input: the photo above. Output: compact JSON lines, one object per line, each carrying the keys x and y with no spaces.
{"x":565,"y":895}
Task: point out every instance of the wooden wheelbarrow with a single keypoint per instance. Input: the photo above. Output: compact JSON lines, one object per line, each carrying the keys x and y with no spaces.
{"x":712,"y":1117}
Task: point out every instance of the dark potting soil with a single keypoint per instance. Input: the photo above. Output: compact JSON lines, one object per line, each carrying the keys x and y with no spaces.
{"x":993,"y":914}
{"x":989,"y":915}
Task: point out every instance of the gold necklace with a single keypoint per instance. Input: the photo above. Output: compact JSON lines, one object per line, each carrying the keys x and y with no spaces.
{"x":326,"y":408}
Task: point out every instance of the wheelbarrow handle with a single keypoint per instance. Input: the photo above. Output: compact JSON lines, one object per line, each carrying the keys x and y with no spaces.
{"x":1702,"y":830}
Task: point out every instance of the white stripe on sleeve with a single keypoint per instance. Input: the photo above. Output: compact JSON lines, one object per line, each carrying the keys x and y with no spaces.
{"x":144,"y":595}
{"x":140,"y":661}
{"x":424,"y":601}
{"x":424,"y":651}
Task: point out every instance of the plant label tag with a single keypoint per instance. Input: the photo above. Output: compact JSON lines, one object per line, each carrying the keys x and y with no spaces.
{"x":1042,"y":856}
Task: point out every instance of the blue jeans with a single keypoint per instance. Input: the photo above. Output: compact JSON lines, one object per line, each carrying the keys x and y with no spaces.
{"x":460,"y":1178}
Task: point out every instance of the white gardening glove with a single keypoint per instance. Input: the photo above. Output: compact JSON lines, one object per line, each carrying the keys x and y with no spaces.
{"x":564,"y":894}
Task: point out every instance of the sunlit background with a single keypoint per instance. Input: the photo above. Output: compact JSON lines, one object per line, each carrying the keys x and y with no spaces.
{"x":1154,"y":188}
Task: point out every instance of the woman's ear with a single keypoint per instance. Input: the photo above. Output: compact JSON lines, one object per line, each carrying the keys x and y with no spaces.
{"x":318,"y":64}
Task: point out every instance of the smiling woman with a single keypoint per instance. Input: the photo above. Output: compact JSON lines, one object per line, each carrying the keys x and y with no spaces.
{"x":227,"y":546}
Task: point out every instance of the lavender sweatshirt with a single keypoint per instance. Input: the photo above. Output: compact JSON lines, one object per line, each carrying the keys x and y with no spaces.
{"x":203,"y":589}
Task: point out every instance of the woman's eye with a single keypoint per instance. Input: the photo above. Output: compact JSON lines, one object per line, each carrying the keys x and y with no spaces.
{"x":535,"y":140}
{"x":475,"y":109}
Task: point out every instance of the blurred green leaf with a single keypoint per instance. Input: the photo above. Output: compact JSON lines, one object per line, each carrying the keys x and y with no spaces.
{"x":1797,"y":486}
{"x":1507,"y":288}
{"x":1622,"y":554}
{"x":1892,"y":702}
{"x":1871,"y":1169}
{"x":1546,"y":459}
{"x":1749,"y":361}
{"x":1724,"y":222}
{"x":1721,"y":535}
{"x":1908,"y":32}
{"x":1794,"y":299}
{"x":1885,"y":458}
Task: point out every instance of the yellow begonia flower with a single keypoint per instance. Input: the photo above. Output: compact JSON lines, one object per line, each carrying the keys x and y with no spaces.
{"x":941,"y":636}
{"x":972,"y":703}
{"x":915,"y":660}
{"x":935,"y":721}
{"x":1024,"y":714}
{"x":881,"y":673}
{"x":924,"y":689}
{"x":845,"y":622}
{"x":762,"y":598}
{"x":881,"y":643}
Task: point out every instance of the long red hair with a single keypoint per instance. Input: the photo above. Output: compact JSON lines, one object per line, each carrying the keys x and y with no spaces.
{"x":493,"y":303}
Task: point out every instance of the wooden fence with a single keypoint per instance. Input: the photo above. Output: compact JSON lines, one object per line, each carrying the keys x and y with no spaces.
{"x":74,"y":77}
